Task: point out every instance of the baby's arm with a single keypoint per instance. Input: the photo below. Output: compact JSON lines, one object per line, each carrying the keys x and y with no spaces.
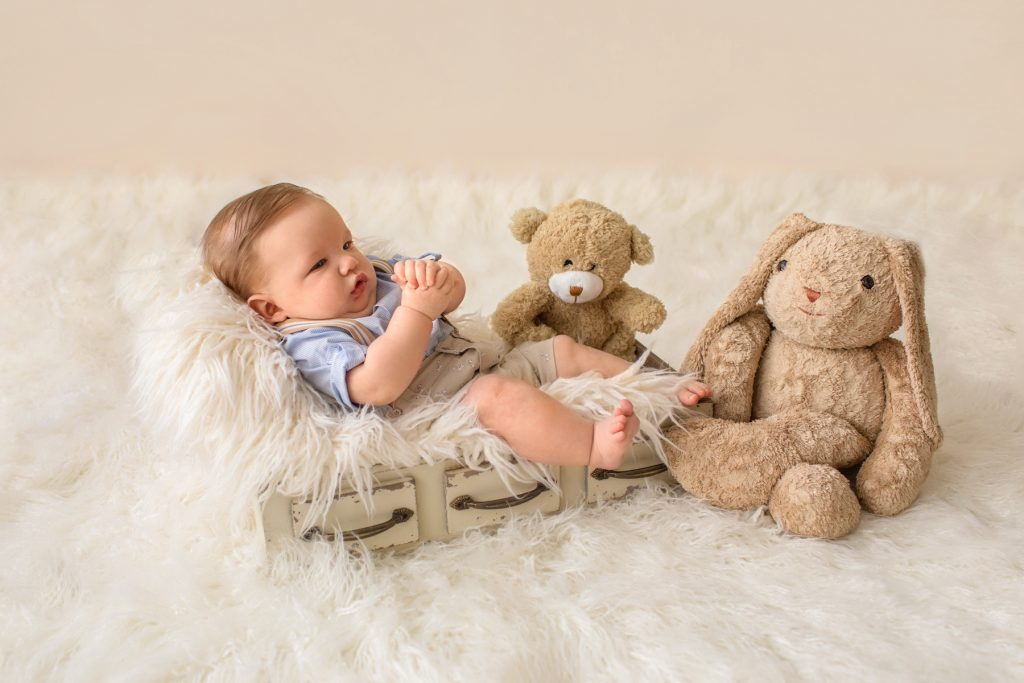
{"x":393,"y":358}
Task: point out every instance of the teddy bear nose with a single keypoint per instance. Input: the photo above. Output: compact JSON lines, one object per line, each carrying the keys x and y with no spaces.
{"x":812,"y":295}
{"x":575,"y":290}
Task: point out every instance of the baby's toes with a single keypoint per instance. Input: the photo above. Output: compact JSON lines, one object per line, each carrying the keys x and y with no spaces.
{"x":688,"y":398}
{"x":700,"y":389}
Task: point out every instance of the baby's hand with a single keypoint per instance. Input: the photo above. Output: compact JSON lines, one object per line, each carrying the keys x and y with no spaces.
{"x":419,"y":273}
{"x":430,"y":301}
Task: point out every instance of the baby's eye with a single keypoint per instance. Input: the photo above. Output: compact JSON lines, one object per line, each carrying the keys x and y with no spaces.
{"x":319,"y":264}
{"x":347,"y":245}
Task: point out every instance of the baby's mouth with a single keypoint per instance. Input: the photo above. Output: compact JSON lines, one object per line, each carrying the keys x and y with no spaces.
{"x":360,"y":287}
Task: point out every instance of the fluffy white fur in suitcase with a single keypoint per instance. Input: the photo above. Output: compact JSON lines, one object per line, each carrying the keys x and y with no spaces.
{"x":211,"y":376}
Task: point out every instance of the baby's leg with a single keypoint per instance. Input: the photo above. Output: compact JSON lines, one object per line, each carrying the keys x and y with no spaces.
{"x":539,"y":428}
{"x":573,"y":359}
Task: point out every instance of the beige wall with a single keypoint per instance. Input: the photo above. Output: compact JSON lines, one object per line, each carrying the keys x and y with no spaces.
{"x":907,"y":88}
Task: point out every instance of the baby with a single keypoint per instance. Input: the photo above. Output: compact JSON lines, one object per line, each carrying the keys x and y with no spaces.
{"x":372,"y":332}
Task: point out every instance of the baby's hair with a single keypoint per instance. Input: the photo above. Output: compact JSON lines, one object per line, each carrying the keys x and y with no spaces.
{"x":229,"y":241}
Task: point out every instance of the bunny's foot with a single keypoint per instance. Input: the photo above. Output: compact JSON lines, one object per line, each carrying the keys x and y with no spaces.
{"x":815,"y":500}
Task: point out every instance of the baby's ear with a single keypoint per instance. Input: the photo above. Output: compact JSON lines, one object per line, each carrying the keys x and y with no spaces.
{"x":525,"y":222}
{"x":266,"y":308}
{"x":641,"y":250}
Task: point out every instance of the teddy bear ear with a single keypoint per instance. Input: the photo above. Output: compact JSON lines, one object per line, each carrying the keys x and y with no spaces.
{"x":748,"y":292}
{"x":641,"y":250}
{"x":908,"y":275}
{"x":525,"y":222}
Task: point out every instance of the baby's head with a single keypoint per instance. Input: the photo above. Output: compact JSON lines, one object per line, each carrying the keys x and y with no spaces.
{"x":288,"y":254}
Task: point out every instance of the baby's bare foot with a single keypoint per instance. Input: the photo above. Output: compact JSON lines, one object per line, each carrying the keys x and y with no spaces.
{"x":612,"y":437}
{"x":692,"y":391}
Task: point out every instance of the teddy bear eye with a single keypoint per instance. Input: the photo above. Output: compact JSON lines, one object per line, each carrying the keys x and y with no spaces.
{"x":568,"y":262}
{"x":867,"y":281}
{"x":592,"y":266}
{"x":782,"y":265}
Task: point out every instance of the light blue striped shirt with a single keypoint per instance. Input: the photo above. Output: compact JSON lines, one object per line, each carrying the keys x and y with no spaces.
{"x":324,"y":355}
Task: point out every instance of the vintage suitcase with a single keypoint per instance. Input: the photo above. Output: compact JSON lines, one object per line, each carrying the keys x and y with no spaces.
{"x":441,"y":501}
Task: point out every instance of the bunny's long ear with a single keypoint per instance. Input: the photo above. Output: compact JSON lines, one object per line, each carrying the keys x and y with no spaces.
{"x":908,"y":274}
{"x":748,"y":292}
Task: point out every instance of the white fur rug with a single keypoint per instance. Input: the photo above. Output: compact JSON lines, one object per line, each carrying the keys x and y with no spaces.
{"x":123,"y":564}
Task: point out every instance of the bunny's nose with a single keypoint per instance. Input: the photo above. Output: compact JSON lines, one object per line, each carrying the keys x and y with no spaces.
{"x":812,"y":296}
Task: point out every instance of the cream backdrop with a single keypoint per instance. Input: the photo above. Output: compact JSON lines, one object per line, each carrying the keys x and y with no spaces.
{"x":911,"y":88}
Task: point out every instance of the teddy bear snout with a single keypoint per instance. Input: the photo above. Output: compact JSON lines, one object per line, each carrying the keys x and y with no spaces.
{"x":576,"y":286}
{"x":812,"y":295}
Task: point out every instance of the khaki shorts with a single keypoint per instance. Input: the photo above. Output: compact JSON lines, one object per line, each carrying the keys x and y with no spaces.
{"x":458,"y":361}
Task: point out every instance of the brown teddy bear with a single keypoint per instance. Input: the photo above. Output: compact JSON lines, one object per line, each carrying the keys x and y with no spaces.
{"x":812,"y":382}
{"x":577,"y":256}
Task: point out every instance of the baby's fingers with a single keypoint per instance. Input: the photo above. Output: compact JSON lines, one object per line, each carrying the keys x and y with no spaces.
{"x":421,"y":274}
{"x":408,"y":273}
{"x":401,"y":276}
{"x":438,"y":276}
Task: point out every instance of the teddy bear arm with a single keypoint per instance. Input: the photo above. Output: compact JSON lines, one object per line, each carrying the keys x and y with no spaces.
{"x":636,"y":310}
{"x":891,"y":477}
{"x":731,"y":363}
{"x":515,"y":318}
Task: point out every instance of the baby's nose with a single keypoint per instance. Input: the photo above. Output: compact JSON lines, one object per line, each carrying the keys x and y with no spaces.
{"x":812,"y":295}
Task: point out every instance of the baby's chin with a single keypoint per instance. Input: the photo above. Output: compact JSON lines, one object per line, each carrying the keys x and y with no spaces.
{"x":351,"y":312}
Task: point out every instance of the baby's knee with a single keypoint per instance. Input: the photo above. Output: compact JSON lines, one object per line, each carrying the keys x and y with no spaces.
{"x":490,"y":390}
{"x":567,"y":352}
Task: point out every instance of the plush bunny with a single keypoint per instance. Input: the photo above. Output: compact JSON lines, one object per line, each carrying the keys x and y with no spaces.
{"x":812,"y":382}
{"x":577,"y":255}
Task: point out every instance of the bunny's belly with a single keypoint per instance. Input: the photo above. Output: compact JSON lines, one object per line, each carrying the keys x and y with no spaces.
{"x":844,"y":382}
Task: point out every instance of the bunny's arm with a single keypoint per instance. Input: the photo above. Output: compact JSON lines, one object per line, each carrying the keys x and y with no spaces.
{"x":515,"y":318}
{"x":891,"y":477}
{"x":636,"y":310}
{"x":731,"y":362}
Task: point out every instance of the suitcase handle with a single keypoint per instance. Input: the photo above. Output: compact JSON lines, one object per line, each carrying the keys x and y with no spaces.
{"x":638,"y":473}
{"x":467,"y":502}
{"x":398,"y":516}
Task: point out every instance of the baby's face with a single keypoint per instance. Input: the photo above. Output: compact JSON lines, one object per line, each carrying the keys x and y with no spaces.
{"x":311,"y":267}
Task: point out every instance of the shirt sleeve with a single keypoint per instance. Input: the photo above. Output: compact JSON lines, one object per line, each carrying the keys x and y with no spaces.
{"x":324,"y":356}
{"x":433,"y":255}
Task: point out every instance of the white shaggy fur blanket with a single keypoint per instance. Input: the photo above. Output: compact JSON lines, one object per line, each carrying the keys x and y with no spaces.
{"x":126,"y":560}
{"x":211,"y":377}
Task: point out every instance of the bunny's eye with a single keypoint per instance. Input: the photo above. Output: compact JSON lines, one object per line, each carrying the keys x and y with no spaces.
{"x":867,"y":281}
{"x":568,"y":262}
{"x":782,"y":265}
